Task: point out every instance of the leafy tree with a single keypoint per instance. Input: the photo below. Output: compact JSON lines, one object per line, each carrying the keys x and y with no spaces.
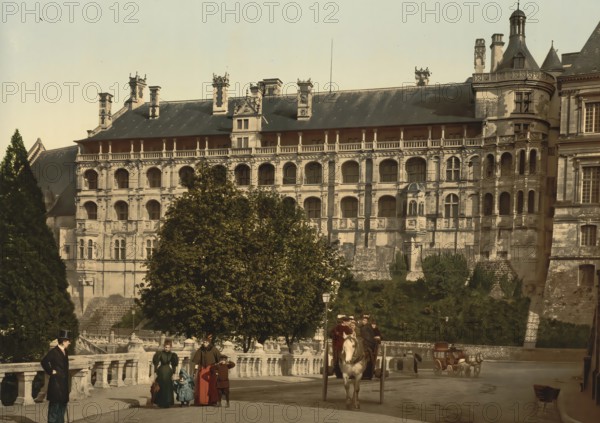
{"x":34,"y":302}
{"x":237,"y":264}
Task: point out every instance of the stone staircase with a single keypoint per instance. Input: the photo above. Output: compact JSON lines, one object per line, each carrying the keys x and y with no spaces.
{"x":102,"y":313}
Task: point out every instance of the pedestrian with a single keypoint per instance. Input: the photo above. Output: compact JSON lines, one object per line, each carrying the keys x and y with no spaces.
{"x":337,"y":335}
{"x":56,"y":364}
{"x":416,"y":360}
{"x":220,"y":371}
{"x":377,"y":336}
{"x":369,"y":344}
{"x":184,"y":388}
{"x":206,"y":384}
{"x":165,"y":366}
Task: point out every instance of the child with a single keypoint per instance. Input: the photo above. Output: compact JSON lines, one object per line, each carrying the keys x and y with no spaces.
{"x":221,"y":371}
{"x":184,"y":388}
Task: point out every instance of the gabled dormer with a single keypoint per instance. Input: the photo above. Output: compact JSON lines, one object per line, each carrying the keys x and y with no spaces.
{"x":247,"y":119}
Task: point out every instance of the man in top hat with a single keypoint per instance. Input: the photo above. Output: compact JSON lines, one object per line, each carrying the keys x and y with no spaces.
{"x":56,"y":365}
{"x":338,"y":334}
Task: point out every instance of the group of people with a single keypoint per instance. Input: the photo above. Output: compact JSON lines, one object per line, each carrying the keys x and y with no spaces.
{"x":211,"y":382}
{"x":366,"y":329}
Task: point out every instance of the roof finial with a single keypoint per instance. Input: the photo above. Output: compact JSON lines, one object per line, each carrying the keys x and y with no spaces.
{"x":518,"y":5}
{"x":552,"y":43}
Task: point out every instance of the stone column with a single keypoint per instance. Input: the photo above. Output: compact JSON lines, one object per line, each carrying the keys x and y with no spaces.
{"x":118,"y":373}
{"x":102,"y":374}
{"x":25,"y":383}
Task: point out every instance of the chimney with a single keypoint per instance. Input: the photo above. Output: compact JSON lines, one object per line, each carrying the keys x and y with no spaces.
{"x":479,"y":55}
{"x":305,"y":96}
{"x":220,"y":99}
{"x":105,"y":115}
{"x":257,"y":95}
{"x":497,"y":51}
{"x":271,"y":87}
{"x":422,"y":76}
{"x":154,"y":102}
{"x":136,"y":89}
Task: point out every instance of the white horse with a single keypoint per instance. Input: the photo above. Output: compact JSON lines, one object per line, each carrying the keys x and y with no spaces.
{"x":352,"y":363}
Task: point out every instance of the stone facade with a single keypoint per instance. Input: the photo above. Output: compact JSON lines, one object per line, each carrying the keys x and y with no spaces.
{"x":468,"y":168}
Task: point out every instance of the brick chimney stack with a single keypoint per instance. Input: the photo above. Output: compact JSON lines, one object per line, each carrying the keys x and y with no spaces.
{"x":154,"y":102}
{"x":136,"y":88}
{"x":220,"y":97}
{"x":479,"y":60}
{"x":305,"y":97}
{"x":497,"y":51}
{"x":105,"y":112}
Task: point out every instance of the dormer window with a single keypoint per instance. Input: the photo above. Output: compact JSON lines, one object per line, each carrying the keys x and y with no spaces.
{"x":523,"y":102}
{"x":519,"y":61}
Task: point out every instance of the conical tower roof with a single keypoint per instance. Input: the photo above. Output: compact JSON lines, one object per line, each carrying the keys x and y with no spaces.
{"x":552,"y":62}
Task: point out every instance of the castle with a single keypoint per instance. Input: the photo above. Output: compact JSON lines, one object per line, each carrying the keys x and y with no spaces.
{"x":502,"y":168}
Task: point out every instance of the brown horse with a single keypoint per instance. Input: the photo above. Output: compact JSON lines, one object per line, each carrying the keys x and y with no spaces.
{"x":352,"y":364}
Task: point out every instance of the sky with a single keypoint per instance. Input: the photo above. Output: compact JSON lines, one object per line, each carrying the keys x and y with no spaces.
{"x":56,"y":56}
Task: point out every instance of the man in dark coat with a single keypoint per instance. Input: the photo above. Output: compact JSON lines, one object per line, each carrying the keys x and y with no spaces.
{"x":369,"y":343}
{"x":56,"y":365}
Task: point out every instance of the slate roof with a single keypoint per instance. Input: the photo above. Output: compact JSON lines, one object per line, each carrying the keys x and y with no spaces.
{"x":434,"y":104}
{"x":516,"y":45}
{"x":588,"y":61}
{"x":552,"y":62}
{"x":54,"y":171}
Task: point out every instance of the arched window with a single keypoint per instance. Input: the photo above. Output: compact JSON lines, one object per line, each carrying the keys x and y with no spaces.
{"x":531,"y":202}
{"x":289,"y":174}
{"x":150,"y":247}
{"x":121,"y":179}
{"x":153,"y":208}
{"x":313,"y":173}
{"x":520,"y":202}
{"x":90,"y":249}
{"x":416,"y":169}
{"x":349,"y":207}
{"x":220,"y":173}
{"x":266,"y":174}
{"x":312,"y":207}
{"x":506,"y":164}
{"x":490,"y":166}
{"x":242,"y":175}
{"x":81,"y":249}
{"x":474,"y":168}
{"x":522,"y":162}
{"x":588,"y":235}
{"x":451,"y":206}
{"x":388,"y":171}
{"x":453,"y":169}
{"x":386,"y":206}
{"x":488,"y":204}
{"x":532,"y":161}
{"x":119,"y":249}
{"x":186,"y":176}
{"x":91,"y":209}
{"x":412,"y":208}
{"x":421,"y":209}
{"x":350,"y":172}
{"x":154,"y":177}
{"x":122,"y":210}
{"x":289,"y":202}
{"x":91,"y":179}
{"x":504,"y":204}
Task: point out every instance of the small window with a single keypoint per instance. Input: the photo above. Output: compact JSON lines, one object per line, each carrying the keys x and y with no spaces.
{"x":119,"y":249}
{"x":153,"y":208}
{"x":239,"y":124}
{"x":451,"y":206}
{"x":388,"y":171}
{"x":588,"y":235}
{"x":519,"y":61}
{"x":488,"y":204}
{"x":349,"y":207}
{"x":490,"y":166}
{"x":266,"y":174}
{"x":91,"y":210}
{"x":520,"y":202}
{"x":242,"y":175}
{"x":91,"y":179}
{"x":387,"y":206}
{"x":416,"y":169}
{"x":592,"y":117}
{"x":504,"y":205}
{"x":314,"y":173}
{"x":150,"y":247}
{"x":350,"y":172}
{"x":81,"y":249}
{"x":412,"y":208}
{"x":531,"y":202}
{"x":90,"y":249}
{"x":289,"y":174}
{"x":586,"y":275}
{"x":590,"y":192}
{"x":532,"y":162}
{"x":522,"y":162}
{"x":154,"y":177}
{"x":312,"y":206}
{"x":246,"y":123}
{"x":523,"y":102}
{"x":122,"y":179}
{"x":122,"y":210}
{"x":453,"y":169}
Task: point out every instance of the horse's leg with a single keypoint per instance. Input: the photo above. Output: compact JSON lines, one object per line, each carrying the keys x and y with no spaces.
{"x":347,"y":387}
{"x":356,"y":391}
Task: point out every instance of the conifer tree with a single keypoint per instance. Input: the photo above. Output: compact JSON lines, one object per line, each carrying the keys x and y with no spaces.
{"x":34,"y":302}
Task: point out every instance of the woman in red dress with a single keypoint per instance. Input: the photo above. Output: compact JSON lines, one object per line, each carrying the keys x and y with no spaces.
{"x":206,"y":384}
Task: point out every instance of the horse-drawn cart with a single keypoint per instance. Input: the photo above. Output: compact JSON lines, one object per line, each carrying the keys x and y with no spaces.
{"x":455,"y":362}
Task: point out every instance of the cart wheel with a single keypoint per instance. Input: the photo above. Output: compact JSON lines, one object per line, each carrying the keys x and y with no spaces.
{"x":437,"y":367}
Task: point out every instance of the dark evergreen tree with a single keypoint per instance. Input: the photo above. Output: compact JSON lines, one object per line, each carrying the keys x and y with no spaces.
{"x":34,"y":302}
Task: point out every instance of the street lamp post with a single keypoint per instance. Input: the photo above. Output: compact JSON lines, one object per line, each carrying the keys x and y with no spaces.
{"x":132,"y":320}
{"x":326,"y":298}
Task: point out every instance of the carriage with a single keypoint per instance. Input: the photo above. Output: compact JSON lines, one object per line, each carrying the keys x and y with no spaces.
{"x":455,"y":362}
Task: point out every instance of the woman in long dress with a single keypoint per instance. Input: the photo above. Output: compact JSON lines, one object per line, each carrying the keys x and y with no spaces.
{"x":206,"y":383}
{"x":165,"y":363}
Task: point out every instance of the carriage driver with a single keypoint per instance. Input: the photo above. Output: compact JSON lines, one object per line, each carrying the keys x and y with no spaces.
{"x":338,"y":334}
{"x":370,"y":344}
